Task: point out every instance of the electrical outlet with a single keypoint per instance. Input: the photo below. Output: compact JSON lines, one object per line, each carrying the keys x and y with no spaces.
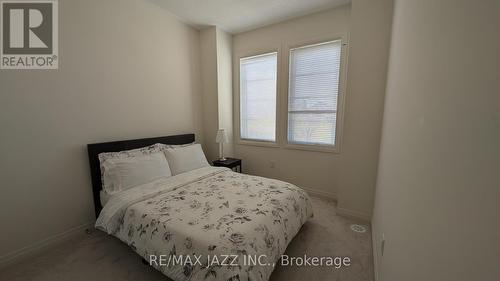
{"x":382,"y":245}
{"x":272,"y":163}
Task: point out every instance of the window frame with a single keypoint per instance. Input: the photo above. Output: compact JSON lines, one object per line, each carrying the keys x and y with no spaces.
{"x":255,"y":142}
{"x":336,"y":148}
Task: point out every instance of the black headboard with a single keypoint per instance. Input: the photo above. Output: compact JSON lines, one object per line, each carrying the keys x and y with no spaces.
{"x":115,"y":146}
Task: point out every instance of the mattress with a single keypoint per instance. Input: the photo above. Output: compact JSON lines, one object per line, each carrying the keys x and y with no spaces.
{"x":208,"y":214}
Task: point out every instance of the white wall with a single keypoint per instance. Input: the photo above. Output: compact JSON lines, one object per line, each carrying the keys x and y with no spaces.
{"x":367,"y":75}
{"x":350,"y":175}
{"x":322,"y":172}
{"x":225,"y":87}
{"x":438,"y":189}
{"x":216,"y":72}
{"x":208,"y":43}
{"x":128,"y":69}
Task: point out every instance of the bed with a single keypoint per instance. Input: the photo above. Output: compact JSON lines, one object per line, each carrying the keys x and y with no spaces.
{"x":209,"y":223}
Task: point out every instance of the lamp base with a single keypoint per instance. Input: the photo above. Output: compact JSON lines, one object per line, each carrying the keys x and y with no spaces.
{"x":223,"y":159}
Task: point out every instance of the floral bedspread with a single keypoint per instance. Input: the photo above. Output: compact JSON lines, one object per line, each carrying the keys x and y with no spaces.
{"x":219,"y":220}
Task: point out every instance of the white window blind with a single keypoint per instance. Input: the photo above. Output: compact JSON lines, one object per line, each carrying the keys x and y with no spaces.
{"x":313,"y":93}
{"x":258,"y":97}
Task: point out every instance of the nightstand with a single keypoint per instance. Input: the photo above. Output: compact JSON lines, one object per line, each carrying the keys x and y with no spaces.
{"x":232,"y":163}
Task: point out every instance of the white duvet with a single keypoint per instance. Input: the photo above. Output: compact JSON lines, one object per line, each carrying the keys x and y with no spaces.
{"x":208,"y":224}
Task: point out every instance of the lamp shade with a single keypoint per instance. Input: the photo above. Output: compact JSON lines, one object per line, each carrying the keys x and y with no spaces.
{"x":221,"y":136}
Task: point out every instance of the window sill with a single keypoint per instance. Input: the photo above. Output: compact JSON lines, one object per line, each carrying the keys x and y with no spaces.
{"x":313,"y":147}
{"x":257,"y":143}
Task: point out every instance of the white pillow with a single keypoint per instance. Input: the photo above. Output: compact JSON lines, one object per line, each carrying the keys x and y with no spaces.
{"x":124,"y":173}
{"x":125,"y":154}
{"x":185,"y":158}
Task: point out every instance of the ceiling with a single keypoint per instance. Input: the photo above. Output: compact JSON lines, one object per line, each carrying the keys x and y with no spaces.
{"x":237,"y":16}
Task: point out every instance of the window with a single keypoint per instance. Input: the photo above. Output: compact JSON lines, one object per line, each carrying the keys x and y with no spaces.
{"x":258,"y":97}
{"x":313,"y":93}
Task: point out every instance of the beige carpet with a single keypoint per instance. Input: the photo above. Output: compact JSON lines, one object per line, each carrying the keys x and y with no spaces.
{"x":100,"y":257}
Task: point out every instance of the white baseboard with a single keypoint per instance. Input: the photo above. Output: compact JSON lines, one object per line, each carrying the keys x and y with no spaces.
{"x":353,"y":214}
{"x":321,"y":194}
{"x":39,"y":246}
{"x":375,"y":256}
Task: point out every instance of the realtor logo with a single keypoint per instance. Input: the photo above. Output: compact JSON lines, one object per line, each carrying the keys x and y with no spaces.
{"x":29,"y":34}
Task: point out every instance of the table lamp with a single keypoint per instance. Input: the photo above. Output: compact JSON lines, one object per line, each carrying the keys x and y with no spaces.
{"x":221,"y":139}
